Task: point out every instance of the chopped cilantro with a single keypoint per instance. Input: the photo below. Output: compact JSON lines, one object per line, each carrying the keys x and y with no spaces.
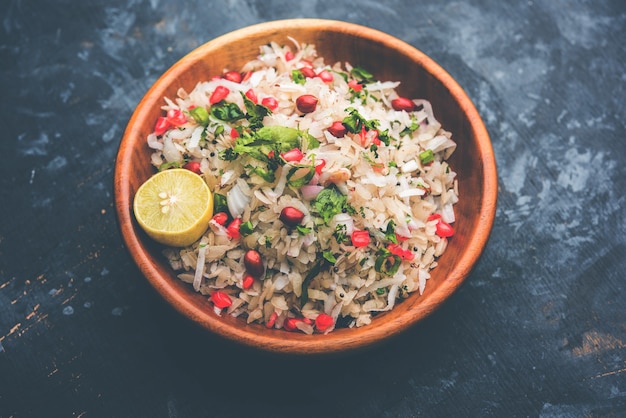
{"x":246,"y":228}
{"x":329,"y":202}
{"x":410,"y":129}
{"x":302,"y":230}
{"x":228,"y":112}
{"x":362,"y":75}
{"x":390,"y":232}
{"x":298,"y":77}
{"x":340,"y":233}
{"x":328,"y":256}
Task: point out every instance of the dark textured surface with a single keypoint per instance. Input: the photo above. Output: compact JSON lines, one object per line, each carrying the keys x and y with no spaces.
{"x":539,"y":328}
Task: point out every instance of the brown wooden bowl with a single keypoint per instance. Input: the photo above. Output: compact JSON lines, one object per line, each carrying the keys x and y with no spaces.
{"x":388,"y":59}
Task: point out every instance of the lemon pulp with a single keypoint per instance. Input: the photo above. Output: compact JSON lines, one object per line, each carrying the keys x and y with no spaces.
{"x":174,"y":207}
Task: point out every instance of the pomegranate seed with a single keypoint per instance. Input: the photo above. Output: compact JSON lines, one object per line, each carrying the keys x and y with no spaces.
{"x":320,"y":166}
{"x":233,"y":228}
{"x":193,"y":166}
{"x":360,"y":238}
{"x":288,"y":55}
{"x":354,"y":85}
{"x":402,"y":103}
{"x":221,"y":218}
{"x":176,"y":117}
{"x":219,"y":94}
{"x":293,"y":155}
{"x":290,"y":323}
{"x":307,"y":321}
{"x":444,"y":230}
{"x":270,"y":102}
{"x":363,"y":136}
{"x":254,"y":264}
{"x":324,"y":321}
{"x":233,"y":76}
{"x":338,"y":129}
{"x":220,"y":299}
{"x":247,"y":282}
{"x":376,"y":139}
{"x":291,"y":216}
{"x":326,"y":76}
{"x":308,"y":72}
{"x":250,"y":94}
{"x":433,"y":217}
{"x":306,"y":103}
{"x":401,"y":238}
{"x":234,"y":133}
{"x":271,"y":320}
{"x":396,"y":249}
{"x":161,"y":126}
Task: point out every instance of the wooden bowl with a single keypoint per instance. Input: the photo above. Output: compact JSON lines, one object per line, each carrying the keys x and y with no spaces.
{"x":388,"y":59}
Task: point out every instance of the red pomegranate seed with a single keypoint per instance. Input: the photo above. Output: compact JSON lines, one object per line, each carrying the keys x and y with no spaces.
{"x":233,"y":76}
{"x":233,"y":228}
{"x":270,"y":102}
{"x":338,"y":129}
{"x":403,"y":103}
{"x":250,"y":94}
{"x":220,"y":299}
{"x":290,"y":323}
{"x":254,"y":264}
{"x":293,"y":155}
{"x":193,"y":166}
{"x":176,"y":117}
{"x":271,"y":320}
{"x":354,"y":85}
{"x":291,"y":216}
{"x":306,"y":103}
{"x":221,"y":218}
{"x":326,"y":76}
{"x":219,"y":94}
{"x":247,"y":282}
{"x":162,"y":125}
{"x":288,"y":56}
{"x":324,"y":321}
{"x":444,"y":230}
{"x":308,"y":72}
{"x":360,"y":238}
{"x":320,"y":166}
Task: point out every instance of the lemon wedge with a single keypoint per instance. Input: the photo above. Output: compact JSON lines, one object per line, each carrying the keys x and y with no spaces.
{"x":174,"y":207}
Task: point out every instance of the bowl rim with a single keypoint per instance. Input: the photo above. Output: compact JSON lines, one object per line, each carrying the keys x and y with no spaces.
{"x":339,"y":340}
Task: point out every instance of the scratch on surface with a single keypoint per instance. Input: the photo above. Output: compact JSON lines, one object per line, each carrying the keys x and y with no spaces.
{"x":34,"y":312}
{"x":594,"y":342}
{"x":11,"y":331}
{"x":611,"y":373}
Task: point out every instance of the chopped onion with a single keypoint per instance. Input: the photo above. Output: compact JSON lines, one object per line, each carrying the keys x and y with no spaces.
{"x":447,"y":213}
{"x":237,"y":201}
{"x":310,"y":192}
{"x":409,"y":166}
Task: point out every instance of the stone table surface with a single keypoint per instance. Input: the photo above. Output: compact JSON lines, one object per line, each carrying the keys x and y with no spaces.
{"x":537,"y":330}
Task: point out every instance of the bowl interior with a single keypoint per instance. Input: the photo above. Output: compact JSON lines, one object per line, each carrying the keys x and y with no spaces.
{"x":388,"y":59}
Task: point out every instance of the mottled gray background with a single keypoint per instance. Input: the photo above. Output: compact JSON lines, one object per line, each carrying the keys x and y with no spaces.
{"x":538,"y":330}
